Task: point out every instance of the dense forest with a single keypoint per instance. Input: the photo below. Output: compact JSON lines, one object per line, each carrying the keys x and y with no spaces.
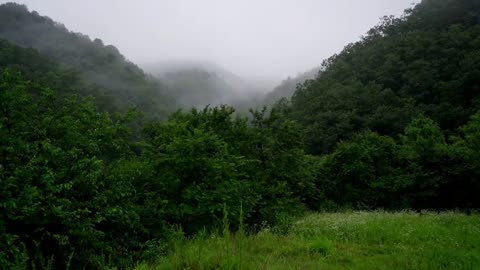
{"x":98,"y":170}
{"x":426,"y":62}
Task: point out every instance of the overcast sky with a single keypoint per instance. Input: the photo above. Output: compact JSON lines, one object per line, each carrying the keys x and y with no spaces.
{"x":253,"y":38}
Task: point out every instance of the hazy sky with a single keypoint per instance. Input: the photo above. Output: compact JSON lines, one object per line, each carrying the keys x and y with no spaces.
{"x":253,"y":38}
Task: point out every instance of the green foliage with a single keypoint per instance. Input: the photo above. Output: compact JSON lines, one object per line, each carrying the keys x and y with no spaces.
{"x":205,"y":159}
{"x":57,"y":197}
{"x":77,"y":187}
{"x":41,"y":71}
{"x":424,"y":153}
{"x":360,"y":172}
{"x":464,"y":170}
{"x":195,"y":168}
{"x":284,"y":171}
{"x":424,"y":62}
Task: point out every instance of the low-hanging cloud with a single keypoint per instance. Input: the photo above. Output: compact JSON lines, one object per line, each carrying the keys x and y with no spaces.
{"x":269,"y":39}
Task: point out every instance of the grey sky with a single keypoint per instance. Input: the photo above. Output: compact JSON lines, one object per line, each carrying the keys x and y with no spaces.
{"x":253,"y":38}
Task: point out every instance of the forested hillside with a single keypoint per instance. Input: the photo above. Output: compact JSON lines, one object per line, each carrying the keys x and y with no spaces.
{"x":198,"y":84}
{"x":392,"y":123}
{"x":41,"y":71}
{"x":101,"y":66}
{"x":426,"y":62}
{"x":288,"y":87}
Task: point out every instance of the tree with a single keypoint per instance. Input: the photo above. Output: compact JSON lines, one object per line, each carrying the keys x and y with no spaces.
{"x":57,"y":203}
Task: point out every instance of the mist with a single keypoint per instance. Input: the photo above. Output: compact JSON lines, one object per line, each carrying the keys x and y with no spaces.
{"x":263,"y":41}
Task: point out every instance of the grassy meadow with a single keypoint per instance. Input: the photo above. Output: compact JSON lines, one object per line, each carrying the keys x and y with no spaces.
{"x":352,"y":240}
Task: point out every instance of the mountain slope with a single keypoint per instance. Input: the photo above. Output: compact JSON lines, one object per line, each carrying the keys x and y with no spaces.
{"x":426,"y":62}
{"x":289,"y":86}
{"x":192,"y":84}
{"x":99,"y":65}
{"x":43,"y":72}
{"x":198,"y":84}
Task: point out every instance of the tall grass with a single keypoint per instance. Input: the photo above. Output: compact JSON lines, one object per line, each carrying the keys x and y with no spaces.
{"x":356,"y":240}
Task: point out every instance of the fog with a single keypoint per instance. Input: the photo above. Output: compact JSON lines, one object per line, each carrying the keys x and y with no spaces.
{"x":262,"y":39}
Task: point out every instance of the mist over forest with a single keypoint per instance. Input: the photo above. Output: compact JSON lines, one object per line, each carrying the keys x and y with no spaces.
{"x":240,"y":135}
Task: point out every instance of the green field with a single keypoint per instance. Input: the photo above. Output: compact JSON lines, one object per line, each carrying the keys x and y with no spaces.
{"x":355,"y":240}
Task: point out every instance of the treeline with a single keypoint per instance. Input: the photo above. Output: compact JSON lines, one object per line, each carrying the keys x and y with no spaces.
{"x":422,"y":170}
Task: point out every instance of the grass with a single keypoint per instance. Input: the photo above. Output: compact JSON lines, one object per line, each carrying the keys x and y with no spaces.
{"x":356,"y":240}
